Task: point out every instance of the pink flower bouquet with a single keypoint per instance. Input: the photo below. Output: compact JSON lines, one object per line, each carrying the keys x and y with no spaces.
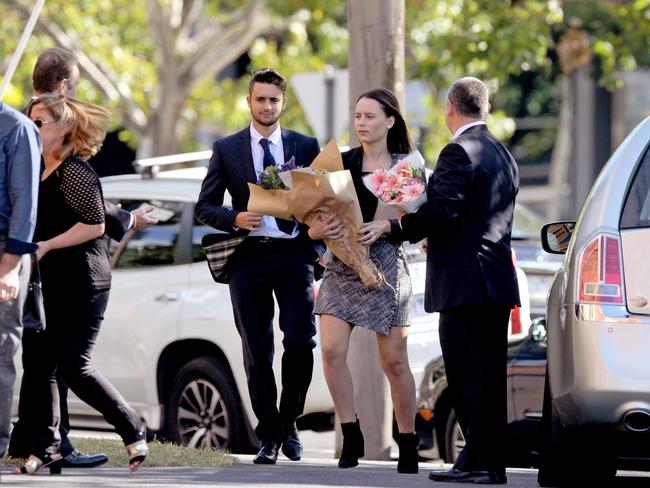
{"x":403,"y":185}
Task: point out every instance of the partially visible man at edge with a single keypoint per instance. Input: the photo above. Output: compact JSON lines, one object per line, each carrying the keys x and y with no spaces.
{"x":57,"y":71}
{"x":20,"y":161}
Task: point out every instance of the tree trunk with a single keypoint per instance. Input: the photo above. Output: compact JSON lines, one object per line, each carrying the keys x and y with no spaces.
{"x":557,"y":205}
{"x":375,"y":60}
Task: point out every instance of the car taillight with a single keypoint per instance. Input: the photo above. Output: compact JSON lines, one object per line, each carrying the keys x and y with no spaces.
{"x":515,"y":320}
{"x":600,"y":275}
{"x":515,"y":313}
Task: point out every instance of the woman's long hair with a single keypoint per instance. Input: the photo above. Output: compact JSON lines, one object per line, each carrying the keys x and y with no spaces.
{"x":81,"y":121}
{"x":398,"y":139}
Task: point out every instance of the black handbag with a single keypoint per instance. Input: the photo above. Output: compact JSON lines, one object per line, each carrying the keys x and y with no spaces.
{"x":219,"y":249}
{"x":34,"y":310}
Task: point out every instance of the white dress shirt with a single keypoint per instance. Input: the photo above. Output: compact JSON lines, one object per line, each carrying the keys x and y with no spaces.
{"x":268,"y":227}
{"x":462,"y":129}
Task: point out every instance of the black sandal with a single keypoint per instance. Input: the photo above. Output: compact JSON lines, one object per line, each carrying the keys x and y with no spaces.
{"x":138,"y":450}
{"x":34,"y":464}
{"x":137,"y":453}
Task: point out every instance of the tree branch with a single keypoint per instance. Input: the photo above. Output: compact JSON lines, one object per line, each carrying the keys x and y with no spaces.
{"x":132,"y":116}
{"x":192,"y":10}
{"x":159,"y":23}
{"x":226,"y":44}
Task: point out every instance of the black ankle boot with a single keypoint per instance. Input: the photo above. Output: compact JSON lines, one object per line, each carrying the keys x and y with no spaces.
{"x":408,"y":453}
{"x":352,"y":445}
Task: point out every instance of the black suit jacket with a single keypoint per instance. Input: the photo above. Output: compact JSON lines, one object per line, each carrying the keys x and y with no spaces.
{"x":231,"y":168}
{"x":117,"y":221}
{"x":468,"y":221}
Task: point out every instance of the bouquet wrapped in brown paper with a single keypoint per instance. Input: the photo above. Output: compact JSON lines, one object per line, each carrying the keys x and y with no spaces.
{"x":322,"y":189}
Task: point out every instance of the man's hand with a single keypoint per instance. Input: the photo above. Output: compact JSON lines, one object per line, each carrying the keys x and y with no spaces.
{"x":248,"y":220}
{"x":141,"y":219}
{"x":9,"y":280}
{"x":9,"y":286}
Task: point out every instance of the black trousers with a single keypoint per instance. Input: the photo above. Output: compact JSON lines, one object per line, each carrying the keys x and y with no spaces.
{"x":35,"y":346}
{"x":74,"y":318}
{"x":474,"y":342}
{"x":283,"y":268}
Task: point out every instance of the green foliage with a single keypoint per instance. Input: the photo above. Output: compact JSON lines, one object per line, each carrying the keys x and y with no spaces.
{"x":619,"y":32}
{"x":508,"y":43}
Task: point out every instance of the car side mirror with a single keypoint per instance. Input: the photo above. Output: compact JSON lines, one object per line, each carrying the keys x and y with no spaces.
{"x":537,"y":330}
{"x":556,"y":236}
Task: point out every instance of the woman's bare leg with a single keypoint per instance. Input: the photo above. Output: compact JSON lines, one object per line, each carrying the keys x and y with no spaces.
{"x":335,"y":341}
{"x":394,"y":360}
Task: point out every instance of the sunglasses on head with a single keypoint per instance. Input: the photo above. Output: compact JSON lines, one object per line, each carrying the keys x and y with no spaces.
{"x":40,"y":123}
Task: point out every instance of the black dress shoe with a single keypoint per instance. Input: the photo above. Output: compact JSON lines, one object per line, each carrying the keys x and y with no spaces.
{"x":291,"y":445}
{"x":268,"y":453}
{"x":77,"y":460}
{"x":459,"y":476}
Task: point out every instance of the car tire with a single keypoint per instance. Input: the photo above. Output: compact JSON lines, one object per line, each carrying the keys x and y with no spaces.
{"x":454,"y":440}
{"x":203,"y":409}
{"x":571,"y":458}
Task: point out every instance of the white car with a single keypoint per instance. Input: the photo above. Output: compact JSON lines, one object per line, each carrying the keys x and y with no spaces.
{"x":169,"y":343}
{"x":597,"y":399}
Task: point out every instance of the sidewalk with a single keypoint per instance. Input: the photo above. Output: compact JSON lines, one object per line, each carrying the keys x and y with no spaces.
{"x":312,"y":473}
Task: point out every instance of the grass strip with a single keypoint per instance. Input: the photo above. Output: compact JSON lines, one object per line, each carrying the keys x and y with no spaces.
{"x":161,"y":454}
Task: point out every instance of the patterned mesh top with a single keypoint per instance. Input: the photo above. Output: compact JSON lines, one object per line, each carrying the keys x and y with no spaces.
{"x":70,"y":195}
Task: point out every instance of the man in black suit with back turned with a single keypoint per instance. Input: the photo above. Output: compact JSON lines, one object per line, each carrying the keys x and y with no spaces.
{"x":276,"y":258}
{"x":471,"y":279}
{"x":57,"y":71}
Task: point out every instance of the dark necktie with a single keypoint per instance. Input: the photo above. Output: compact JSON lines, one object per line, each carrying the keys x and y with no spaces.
{"x":268,"y":157}
{"x":285,"y":226}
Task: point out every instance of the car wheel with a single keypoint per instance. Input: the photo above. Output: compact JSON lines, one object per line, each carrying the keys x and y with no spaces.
{"x":571,"y":458}
{"x":203,"y":408}
{"x":454,"y":439}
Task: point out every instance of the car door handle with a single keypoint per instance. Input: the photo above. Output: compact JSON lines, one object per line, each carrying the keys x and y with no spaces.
{"x":169,"y":296}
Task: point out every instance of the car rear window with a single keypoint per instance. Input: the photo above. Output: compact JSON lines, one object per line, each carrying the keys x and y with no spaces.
{"x":636,"y":212}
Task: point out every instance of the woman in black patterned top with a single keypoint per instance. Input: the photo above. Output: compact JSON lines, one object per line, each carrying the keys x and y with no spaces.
{"x":76,"y":277}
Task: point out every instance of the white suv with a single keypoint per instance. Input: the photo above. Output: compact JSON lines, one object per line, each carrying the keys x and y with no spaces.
{"x":169,"y":343}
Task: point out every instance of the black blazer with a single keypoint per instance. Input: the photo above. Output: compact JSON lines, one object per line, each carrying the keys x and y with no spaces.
{"x":231,"y":168}
{"x":117,"y":221}
{"x":468,"y":221}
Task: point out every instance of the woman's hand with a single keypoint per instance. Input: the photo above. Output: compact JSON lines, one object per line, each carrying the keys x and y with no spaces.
{"x":327,"y":226}
{"x":372,"y":231}
{"x":43,"y":248}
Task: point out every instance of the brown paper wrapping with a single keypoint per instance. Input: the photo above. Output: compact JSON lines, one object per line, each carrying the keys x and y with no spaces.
{"x":315,"y":196}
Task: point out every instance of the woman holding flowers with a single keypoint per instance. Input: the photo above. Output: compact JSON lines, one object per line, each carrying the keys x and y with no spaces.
{"x":344,"y":302}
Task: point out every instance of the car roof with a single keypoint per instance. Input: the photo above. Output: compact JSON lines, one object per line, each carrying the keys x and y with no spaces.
{"x":603,"y":206}
{"x":181,"y":185}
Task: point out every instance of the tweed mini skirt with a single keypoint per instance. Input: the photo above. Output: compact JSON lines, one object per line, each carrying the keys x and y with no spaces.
{"x":343,"y":295}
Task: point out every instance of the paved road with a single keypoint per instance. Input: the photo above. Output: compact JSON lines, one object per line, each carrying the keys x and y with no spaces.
{"x":312,"y":473}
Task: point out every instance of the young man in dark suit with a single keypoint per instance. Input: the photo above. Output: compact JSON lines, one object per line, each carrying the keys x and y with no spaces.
{"x":276,"y":258}
{"x":471,"y":279}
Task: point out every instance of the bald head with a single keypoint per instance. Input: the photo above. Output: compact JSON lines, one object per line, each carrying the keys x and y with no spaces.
{"x":470,"y":97}
{"x":56,"y":71}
